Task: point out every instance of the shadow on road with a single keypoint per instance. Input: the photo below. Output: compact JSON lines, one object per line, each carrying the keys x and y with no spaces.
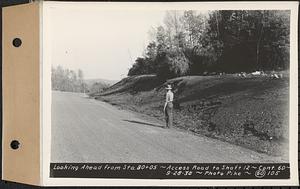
{"x":143,"y":123}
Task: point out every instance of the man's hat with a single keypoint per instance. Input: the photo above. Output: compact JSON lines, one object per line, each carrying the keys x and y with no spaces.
{"x":168,"y":87}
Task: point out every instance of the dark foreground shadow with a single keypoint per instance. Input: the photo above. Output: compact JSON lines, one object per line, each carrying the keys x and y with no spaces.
{"x":143,"y":123}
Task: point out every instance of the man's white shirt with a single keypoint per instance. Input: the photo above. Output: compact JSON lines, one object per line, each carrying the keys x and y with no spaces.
{"x":169,"y":96}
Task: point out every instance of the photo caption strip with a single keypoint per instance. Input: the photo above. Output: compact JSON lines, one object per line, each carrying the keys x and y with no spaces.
{"x":171,"y":170}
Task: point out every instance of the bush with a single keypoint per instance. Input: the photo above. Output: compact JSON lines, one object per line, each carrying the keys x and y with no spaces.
{"x":142,"y":66}
{"x":173,"y":64}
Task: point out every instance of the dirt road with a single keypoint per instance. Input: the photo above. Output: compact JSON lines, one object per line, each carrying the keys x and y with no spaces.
{"x":87,"y":130}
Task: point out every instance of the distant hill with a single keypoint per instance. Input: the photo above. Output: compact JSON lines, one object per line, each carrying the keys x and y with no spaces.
{"x":98,"y":85}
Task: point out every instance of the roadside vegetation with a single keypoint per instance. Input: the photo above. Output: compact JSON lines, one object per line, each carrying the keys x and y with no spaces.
{"x":63,"y":79}
{"x":198,"y":43}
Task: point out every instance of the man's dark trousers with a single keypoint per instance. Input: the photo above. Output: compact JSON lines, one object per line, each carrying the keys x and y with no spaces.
{"x":169,"y":115}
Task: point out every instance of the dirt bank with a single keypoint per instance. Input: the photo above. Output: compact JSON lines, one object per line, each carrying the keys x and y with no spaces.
{"x":248,"y":111}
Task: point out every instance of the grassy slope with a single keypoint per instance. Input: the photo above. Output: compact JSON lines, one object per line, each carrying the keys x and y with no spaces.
{"x":251,"y":111}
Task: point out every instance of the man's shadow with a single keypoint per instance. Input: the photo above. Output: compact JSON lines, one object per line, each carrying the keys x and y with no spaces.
{"x":143,"y":123}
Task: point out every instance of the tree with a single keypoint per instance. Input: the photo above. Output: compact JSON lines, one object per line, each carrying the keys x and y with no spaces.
{"x":67,"y":80}
{"x":249,"y":37}
{"x":190,"y":42}
{"x":80,"y":79}
{"x":194,"y":27}
{"x":139,"y":67}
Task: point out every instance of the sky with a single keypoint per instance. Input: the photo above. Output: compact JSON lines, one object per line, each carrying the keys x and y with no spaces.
{"x":103,"y":43}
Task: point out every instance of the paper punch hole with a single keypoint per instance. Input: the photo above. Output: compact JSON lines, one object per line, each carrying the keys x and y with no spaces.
{"x":15,"y":144}
{"x":17,"y":42}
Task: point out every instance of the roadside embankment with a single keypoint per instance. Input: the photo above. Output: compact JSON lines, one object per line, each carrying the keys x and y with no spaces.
{"x":249,"y":111}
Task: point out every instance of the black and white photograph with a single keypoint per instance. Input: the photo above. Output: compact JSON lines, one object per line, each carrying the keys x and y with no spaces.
{"x":134,"y":88}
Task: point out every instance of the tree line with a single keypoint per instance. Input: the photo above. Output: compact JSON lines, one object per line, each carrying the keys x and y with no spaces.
{"x":64,"y":79}
{"x":230,"y":41}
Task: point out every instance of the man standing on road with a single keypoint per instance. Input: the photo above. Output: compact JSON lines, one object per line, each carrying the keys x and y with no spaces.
{"x":168,"y":107}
